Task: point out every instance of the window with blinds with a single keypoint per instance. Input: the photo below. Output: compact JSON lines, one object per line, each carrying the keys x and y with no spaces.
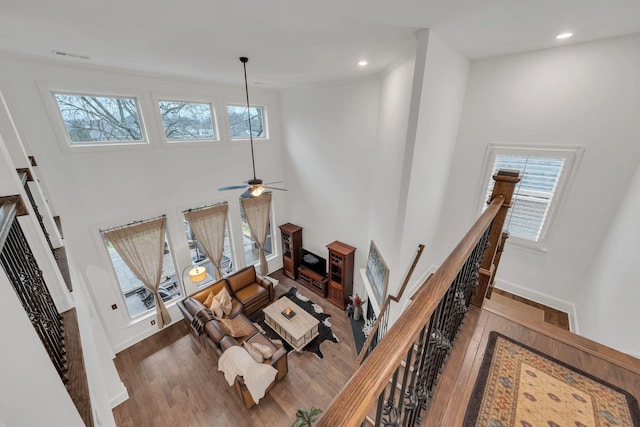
{"x":544,"y":171}
{"x":533,"y":195}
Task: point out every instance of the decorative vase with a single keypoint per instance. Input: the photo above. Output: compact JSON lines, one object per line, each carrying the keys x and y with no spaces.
{"x":357,"y":312}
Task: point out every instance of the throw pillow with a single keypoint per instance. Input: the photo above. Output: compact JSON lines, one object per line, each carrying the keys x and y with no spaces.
{"x":207,"y":301}
{"x":238,"y":326}
{"x":216,"y":308}
{"x":225,"y":300}
{"x":257,"y":356}
{"x":263,"y":349}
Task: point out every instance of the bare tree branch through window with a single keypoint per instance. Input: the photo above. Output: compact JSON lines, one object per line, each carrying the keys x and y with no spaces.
{"x":187,"y":120}
{"x":91,"y":119}
{"x":239,"y":123}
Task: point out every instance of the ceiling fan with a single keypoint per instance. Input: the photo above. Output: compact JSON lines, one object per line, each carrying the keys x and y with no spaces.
{"x":254,"y":186}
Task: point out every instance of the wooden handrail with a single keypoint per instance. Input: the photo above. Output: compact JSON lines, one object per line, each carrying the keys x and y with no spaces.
{"x":385,"y":306}
{"x":351,"y":405}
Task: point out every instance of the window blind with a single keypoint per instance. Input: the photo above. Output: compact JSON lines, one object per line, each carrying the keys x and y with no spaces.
{"x":533,"y":195}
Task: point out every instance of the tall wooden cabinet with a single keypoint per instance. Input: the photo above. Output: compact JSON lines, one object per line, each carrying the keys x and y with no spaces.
{"x":341,"y":258}
{"x":291,"y":248}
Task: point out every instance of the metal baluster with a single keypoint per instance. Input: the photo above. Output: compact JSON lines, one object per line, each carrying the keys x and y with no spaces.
{"x":32,"y":285}
{"x":26,"y":277}
{"x":379,"y":409}
{"x":39,"y":217}
{"x":424,"y":392}
{"x":390,"y":413}
{"x":408,"y":397}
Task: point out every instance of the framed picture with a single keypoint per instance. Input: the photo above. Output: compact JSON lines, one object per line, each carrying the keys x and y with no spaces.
{"x":377,"y":273}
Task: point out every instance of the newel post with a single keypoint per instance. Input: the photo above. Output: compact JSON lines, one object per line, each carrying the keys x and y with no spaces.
{"x":506,"y":181}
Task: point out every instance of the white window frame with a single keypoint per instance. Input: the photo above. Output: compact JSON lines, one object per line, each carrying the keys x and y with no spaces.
{"x":572,"y":156}
{"x":62,"y":127}
{"x":265,"y":120}
{"x":157,"y":98}
{"x":236,"y":224}
{"x":149,"y":313}
{"x":234,"y":257}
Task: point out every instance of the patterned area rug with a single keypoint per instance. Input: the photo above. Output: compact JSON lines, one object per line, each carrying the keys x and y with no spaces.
{"x":324,"y":328}
{"x":519,"y":386}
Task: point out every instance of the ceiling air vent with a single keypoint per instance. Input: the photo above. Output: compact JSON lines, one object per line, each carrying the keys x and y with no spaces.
{"x":69,"y":54}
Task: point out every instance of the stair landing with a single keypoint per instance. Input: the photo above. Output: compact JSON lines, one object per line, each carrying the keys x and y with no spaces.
{"x":458,"y":379}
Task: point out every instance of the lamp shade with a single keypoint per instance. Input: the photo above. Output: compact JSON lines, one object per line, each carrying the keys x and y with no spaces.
{"x":197,"y":274}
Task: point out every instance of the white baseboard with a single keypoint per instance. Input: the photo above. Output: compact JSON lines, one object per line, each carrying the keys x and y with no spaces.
{"x":542,"y":298}
{"x":146,"y":333}
{"x":120,"y":397}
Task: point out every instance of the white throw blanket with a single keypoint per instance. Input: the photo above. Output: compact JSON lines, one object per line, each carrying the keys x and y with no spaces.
{"x":257,"y":376}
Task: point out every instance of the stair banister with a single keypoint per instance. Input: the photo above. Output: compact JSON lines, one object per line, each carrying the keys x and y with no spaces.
{"x":351,"y":405}
{"x":381,"y":322}
{"x":416,"y":338}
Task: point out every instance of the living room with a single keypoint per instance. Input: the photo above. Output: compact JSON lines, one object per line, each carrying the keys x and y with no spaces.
{"x":355,"y":156}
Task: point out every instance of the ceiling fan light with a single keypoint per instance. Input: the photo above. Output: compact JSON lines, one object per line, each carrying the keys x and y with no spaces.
{"x":256,"y":190}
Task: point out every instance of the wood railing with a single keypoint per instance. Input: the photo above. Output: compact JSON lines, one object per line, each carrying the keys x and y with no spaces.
{"x":396,"y":383}
{"x":496,"y":261}
{"x":379,"y":328}
{"x":22,"y":270}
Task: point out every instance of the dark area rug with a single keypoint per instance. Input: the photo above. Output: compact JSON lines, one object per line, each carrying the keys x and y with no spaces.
{"x":519,"y":385}
{"x":324,"y":328}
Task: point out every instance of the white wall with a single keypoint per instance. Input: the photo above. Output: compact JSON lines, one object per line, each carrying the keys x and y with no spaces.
{"x":330,"y":145}
{"x":387,"y":206}
{"x":32,"y":393}
{"x":583,"y":95}
{"x":403,"y":162}
{"x":106,"y":390}
{"x":607,"y":304}
{"x":26,"y":373}
{"x":96,"y":188}
{"x":441,"y":93}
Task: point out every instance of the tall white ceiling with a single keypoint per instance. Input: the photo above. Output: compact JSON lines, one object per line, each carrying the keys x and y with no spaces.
{"x":294,"y":42}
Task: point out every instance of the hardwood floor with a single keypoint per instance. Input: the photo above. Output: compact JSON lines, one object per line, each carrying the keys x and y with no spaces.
{"x":172,"y":382}
{"x":551,"y":315}
{"x":458,"y":379}
{"x":77,"y":384}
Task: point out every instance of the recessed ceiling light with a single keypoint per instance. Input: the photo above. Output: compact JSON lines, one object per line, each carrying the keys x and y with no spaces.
{"x":564,"y":36}
{"x":362,"y":63}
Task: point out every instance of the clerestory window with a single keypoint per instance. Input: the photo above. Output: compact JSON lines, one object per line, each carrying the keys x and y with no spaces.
{"x":185,"y":121}
{"x":239,"y":122}
{"x":98,"y":120}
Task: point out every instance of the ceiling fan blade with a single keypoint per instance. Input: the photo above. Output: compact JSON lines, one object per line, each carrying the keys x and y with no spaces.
{"x":232,"y":187}
{"x":275,"y":188}
{"x":246,"y":194}
{"x":269,"y":183}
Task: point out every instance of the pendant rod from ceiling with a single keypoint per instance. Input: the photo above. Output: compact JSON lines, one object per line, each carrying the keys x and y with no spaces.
{"x":244,"y":61}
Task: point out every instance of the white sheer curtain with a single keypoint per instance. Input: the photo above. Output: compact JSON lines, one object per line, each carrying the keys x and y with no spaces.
{"x":208,"y":225}
{"x":141,"y":247}
{"x":257,"y":211}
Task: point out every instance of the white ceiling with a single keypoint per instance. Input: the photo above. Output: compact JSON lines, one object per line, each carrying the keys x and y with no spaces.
{"x":294,"y":42}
